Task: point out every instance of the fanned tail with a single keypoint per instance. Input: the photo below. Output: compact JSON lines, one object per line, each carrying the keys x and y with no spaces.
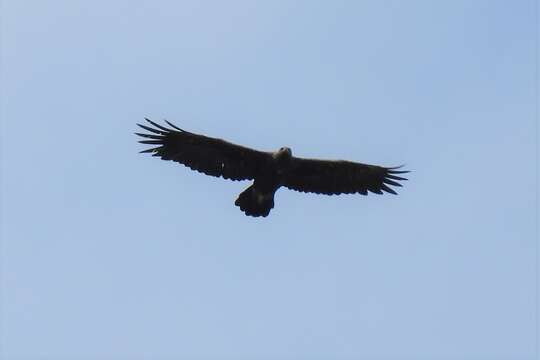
{"x":255,"y":203}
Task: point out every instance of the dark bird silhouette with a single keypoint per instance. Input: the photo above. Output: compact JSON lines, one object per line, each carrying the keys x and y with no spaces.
{"x":268,"y":170}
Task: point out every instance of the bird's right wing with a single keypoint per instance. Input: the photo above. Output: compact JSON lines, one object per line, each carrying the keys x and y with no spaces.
{"x":205,"y":154}
{"x":341,"y":177}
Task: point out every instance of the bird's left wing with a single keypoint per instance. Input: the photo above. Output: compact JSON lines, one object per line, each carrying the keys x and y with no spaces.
{"x":341,"y":177}
{"x":211,"y":156}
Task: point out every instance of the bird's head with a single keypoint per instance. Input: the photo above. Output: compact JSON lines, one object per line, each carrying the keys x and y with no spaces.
{"x":284,"y":153}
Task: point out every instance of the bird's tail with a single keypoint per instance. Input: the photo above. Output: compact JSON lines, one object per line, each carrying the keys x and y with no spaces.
{"x":254,"y":202}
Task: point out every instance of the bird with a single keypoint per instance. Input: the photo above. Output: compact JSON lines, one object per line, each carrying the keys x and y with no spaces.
{"x":269,"y":171}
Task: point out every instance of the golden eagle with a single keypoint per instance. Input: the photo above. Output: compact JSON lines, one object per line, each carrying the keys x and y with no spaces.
{"x":268,"y":170}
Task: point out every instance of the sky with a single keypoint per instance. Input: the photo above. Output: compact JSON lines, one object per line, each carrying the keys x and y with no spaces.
{"x":111,"y":254}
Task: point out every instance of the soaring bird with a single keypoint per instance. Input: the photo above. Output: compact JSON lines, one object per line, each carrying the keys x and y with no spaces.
{"x":268,"y":170}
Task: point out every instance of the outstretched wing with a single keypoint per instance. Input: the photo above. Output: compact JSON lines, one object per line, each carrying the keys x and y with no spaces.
{"x":340,"y":177}
{"x":208,"y":155}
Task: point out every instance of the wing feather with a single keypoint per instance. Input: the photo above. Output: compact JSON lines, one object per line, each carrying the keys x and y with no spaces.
{"x":341,"y":177}
{"x":211,"y":156}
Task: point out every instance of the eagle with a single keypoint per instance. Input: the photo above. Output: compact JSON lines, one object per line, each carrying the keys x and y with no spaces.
{"x":268,"y":170}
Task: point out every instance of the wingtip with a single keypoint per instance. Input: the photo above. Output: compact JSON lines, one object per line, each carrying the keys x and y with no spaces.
{"x":150,"y":136}
{"x":395,"y":170}
{"x":388,"y":189}
{"x":160,"y":127}
{"x":391,"y":178}
{"x":151,"y":142}
{"x":156,"y":124}
{"x":174,"y":126}
{"x":389,"y":181}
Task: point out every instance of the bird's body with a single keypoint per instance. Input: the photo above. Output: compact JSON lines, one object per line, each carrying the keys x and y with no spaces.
{"x":258,"y":199}
{"x":268,"y":170}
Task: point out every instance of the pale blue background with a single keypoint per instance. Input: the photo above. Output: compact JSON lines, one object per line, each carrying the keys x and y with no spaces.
{"x":109,"y":254}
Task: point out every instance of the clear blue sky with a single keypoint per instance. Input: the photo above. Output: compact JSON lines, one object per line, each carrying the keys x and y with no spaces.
{"x":111,"y":254}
